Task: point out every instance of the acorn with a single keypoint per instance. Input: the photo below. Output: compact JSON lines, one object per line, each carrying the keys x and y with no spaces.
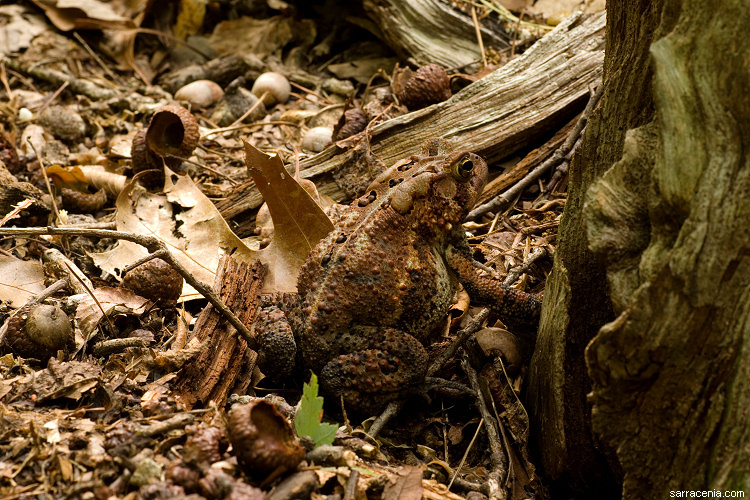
{"x":200,"y":93}
{"x":352,"y":122}
{"x":498,"y":342}
{"x":143,"y":159}
{"x":263,"y":439}
{"x":38,"y":331}
{"x":316,"y":139}
{"x":275,"y":84}
{"x":155,"y":280}
{"x":417,"y":89}
{"x":171,"y":136}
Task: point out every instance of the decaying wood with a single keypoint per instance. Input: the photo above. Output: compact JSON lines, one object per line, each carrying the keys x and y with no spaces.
{"x":496,"y":116}
{"x":670,"y":219}
{"x":431,"y":31}
{"x":212,"y":375}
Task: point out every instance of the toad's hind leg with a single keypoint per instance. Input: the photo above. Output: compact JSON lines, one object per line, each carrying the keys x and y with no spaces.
{"x":380,"y":365}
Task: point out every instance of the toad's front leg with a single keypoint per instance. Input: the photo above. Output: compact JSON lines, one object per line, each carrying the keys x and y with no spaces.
{"x":509,"y":303}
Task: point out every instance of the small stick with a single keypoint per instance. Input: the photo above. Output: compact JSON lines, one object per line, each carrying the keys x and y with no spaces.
{"x":52,"y":98}
{"x":497,"y":457}
{"x":395,"y":406}
{"x":112,"y":328}
{"x":466,"y":453}
{"x":350,"y":492}
{"x":112,"y":346}
{"x":249,"y":111}
{"x":96,"y":57}
{"x":46,"y":179}
{"x":77,"y":85}
{"x":503,"y":201}
{"x":479,"y":38}
{"x":246,"y":125}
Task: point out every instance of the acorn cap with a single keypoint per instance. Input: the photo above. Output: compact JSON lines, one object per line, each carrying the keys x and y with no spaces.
{"x":155,"y":280}
{"x":427,"y":85}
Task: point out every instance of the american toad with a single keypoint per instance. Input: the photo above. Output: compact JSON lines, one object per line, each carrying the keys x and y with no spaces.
{"x":372,"y":291}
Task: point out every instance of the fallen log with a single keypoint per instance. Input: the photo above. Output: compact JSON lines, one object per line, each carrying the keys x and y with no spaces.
{"x":517,"y":106}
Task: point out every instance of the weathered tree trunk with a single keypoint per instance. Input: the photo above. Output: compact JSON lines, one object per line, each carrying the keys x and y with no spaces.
{"x":668,"y":222}
{"x":670,"y":374}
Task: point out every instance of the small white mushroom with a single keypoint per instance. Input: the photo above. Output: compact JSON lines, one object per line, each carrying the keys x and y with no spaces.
{"x":200,"y":93}
{"x":316,"y":139}
{"x":275,"y":84}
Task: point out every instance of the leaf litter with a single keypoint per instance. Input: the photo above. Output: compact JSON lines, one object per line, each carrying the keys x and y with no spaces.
{"x":95,"y":425}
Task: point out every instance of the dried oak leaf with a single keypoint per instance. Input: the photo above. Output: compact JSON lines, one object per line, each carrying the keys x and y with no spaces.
{"x":299,"y":223}
{"x":195,"y":232}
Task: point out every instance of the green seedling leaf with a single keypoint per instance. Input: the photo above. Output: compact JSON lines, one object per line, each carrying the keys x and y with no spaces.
{"x":307,"y":420}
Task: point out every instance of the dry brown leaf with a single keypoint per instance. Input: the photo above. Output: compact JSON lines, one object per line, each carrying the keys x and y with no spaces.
{"x":408,"y":486}
{"x":100,"y":178}
{"x":69,"y":177}
{"x":20,"y":26}
{"x":197,"y":235}
{"x":261,"y":37}
{"x":88,"y":313}
{"x":19,"y":280}
{"x":184,"y":219}
{"x":299,"y":223}
{"x":68,"y":14}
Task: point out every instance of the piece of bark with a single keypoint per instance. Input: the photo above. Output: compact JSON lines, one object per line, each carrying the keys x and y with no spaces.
{"x":505,"y":111}
{"x":431,"y":31}
{"x":212,"y":374}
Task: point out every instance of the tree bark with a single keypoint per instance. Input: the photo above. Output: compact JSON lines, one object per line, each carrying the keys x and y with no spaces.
{"x":576,"y":302}
{"x":653,"y":269}
{"x":670,"y":372}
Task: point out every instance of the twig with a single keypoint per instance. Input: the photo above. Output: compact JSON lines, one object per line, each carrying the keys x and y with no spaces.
{"x":350,"y":492}
{"x":474,"y":325}
{"x":46,"y":179}
{"x":112,"y":328}
{"x":152,"y":244}
{"x":503,"y":201}
{"x":390,"y":411}
{"x":249,"y":111}
{"x":95,"y":56}
{"x":466,"y":453}
{"x":479,"y":38}
{"x":77,"y":85}
{"x":245,"y":125}
{"x":562,"y":169}
{"x":517,"y":271}
{"x":112,"y":346}
{"x":497,"y":457}
{"x":52,"y":98}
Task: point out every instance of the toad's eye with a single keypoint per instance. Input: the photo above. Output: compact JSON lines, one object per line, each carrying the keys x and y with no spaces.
{"x":462,"y":169}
